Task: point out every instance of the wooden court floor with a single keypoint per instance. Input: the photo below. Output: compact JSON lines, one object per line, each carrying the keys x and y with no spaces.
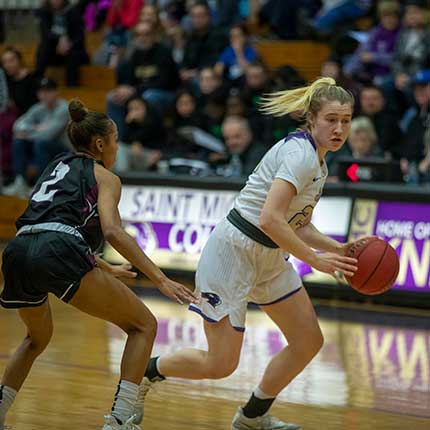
{"x":369,"y":376}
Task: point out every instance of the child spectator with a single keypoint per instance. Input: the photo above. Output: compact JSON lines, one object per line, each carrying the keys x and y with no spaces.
{"x":372,"y":60}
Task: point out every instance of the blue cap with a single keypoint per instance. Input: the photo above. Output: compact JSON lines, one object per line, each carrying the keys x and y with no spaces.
{"x":421,"y":78}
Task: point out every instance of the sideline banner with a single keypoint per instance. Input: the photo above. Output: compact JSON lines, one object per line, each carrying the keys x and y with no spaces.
{"x":173,"y":224}
{"x":406,"y":226}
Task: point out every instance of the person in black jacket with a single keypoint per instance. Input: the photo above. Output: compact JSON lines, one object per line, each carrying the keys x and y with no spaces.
{"x":150,"y":72}
{"x":144,"y":139}
{"x":62,"y":39}
{"x":204,"y":45}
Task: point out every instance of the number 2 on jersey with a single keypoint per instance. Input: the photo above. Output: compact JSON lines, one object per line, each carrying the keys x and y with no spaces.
{"x":43,"y":195}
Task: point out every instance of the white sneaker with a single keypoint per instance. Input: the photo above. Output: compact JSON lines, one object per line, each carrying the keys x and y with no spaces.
{"x":17,"y":188}
{"x":144,"y":387}
{"x":265,"y":422}
{"x":112,"y":424}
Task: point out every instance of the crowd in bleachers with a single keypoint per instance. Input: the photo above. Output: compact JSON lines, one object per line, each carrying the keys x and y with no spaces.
{"x":189,"y":82}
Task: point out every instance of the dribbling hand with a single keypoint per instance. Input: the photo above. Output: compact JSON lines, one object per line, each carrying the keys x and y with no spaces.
{"x":176,"y":291}
{"x":334,"y":263}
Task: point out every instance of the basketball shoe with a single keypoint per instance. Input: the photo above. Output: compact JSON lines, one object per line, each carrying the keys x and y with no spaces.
{"x":265,"y":422}
{"x":144,"y":387}
{"x":112,"y":424}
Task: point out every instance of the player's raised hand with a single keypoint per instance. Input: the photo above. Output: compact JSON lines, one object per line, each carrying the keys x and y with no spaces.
{"x":176,"y":291}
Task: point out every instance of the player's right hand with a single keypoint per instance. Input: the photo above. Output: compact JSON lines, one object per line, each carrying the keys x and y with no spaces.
{"x":331,"y":263}
{"x":176,"y":291}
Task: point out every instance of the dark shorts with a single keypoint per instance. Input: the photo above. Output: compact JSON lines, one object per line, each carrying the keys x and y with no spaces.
{"x":40,"y":263}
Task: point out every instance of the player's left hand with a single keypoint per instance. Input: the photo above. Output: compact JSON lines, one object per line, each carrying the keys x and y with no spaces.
{"x":122,"y":271}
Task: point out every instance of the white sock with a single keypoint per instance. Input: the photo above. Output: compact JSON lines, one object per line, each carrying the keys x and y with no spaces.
{"x":260,"y":394}
{"x":125,"y":399}
{"x":7,"y":396}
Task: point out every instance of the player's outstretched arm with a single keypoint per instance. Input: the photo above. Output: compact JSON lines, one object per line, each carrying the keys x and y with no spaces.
{"x":108,"y":198}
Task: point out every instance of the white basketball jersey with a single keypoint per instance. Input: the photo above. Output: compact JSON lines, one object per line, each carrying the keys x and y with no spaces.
{"x":293,"y":159}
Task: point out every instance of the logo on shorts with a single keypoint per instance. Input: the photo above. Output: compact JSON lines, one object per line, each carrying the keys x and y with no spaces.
{"x":213,"y":299}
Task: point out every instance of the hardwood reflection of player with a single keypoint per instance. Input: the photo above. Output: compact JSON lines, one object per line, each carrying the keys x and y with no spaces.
{"x":347,"y":387}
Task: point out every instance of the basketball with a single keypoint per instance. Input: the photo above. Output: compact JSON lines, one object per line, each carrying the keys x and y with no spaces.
{"x":378,"y":266}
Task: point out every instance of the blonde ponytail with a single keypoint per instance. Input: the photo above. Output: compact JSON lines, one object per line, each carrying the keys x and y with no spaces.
{"x":305,"y":99}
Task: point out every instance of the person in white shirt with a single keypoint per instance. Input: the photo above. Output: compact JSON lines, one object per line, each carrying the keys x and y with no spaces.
{"x":244,"y":258}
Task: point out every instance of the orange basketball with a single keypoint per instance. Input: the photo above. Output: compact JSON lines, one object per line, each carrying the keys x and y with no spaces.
{"x":378,"y":266}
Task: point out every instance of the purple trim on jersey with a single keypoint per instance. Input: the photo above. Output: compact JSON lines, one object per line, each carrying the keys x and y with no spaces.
{"x":278,"y":300}
{"x":302,"y":135}
{"x":206,"y":318}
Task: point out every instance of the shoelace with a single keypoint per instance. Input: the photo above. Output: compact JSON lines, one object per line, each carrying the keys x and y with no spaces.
{"x":129,"y":425}
{"x":145,"y":386}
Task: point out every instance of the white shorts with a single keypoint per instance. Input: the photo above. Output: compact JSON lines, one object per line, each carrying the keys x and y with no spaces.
{"x":234,"y":270}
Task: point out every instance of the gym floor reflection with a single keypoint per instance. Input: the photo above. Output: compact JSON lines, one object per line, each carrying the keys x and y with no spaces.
{"x":372,"y":373}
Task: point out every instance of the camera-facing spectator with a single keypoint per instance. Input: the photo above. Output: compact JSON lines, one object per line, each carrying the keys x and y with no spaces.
{"x":372,"y":60}
{"x":242,"y":152}
{"x":415,"y":125}
{"x":39,"y":135}
{"x":385,"y":120}
{"x":363,"y":140}
{"x":412,"y":51}
{"x":149,"y":72}
{"x":203,"y":45}
{"x":208,"y":83}
{"x":151,"y":14}
{"x":144,"y":138}
{"x":62,"y":39}
{"x":236,"y":57}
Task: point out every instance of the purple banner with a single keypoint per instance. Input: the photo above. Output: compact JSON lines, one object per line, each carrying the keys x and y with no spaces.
{"x":406,"y":226}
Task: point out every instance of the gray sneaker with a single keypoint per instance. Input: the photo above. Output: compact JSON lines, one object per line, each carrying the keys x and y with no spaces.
{"x":265,"y":422}
{"x":144,"y":387}
{"x":112,"y":424}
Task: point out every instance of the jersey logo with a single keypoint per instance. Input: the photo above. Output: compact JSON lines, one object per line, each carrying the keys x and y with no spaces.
{"x":213,"y":299}
{"x":317,"y":178}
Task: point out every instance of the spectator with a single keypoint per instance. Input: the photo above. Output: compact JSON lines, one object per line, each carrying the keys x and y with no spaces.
{"x":62,"y":39}
{"x":186,"y":112}
{"x":256,"y":84}
{"x":121,"y":17}
{"x":209,"y":82}
{"x":332,"y":68}
{"x":187,"y":118}
{"x":362,"y":140}
{"x":150,"y":72}
{"x":235,"y":58}
{"x":229,"y":13}
{"x":384,"y":120}
{"x":21,"y":82}
{"x":282,"y":16}
{"x":151,"y":14}
{"x":204,"y":44}
{"x":372,"y":60}
{"x":144,"y":138}
{"x":415,"y":125}
{"x":215,"y":111}
{"x":243,"y":153}
{"x":337,"y":12}
{"x":412,"y":51}
{"x":39,"y":135}
{"x":362,"y":144}
{"x":19,"y":95}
